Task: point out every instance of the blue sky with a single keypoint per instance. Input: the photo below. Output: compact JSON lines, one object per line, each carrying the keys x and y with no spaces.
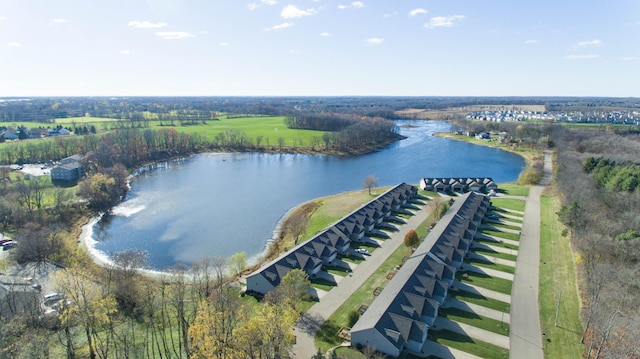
{"x":319,"y":48}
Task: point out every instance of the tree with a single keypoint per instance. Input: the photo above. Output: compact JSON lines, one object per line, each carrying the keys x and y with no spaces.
{"x":353,"y":317}
{"x":411,"y":239}
{"x":213,"y":330}
{"x":237,"y":262}
{"x":293,"y":288}
{"x":87,"y":305}
{"x":296,"y":225}
{"x":268,"y":333}
{"x":369,"y":182}
{"x":102,"y":192}
{"x":434,"y":205}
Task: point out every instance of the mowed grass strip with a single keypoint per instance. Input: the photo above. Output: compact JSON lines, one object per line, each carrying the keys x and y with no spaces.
{"x":473,"y":319}
{"x":491,"y":252}
{"x":500,"y":285}
{"x":501,"y":234}
{"x":491,"y":242}
{"x":557,"y":273}
{"x":513,"y":189}
{"x":504,"y":226}
{"x":487,"y":264}
{"x":469,"y":345}
{"x":508,"y":203}
{"x":479,"y":299}
{"x":327,"y":335}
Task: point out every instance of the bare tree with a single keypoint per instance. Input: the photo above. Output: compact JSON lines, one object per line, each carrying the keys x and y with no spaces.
{"x":369,"y":182}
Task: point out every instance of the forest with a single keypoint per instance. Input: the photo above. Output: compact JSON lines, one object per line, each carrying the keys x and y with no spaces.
{"x":595,"y":178}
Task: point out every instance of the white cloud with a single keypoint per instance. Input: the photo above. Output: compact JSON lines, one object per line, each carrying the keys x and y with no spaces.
{"x":282,"y":26}
{"x":580,"y":57}
{"x":146,"y":24}
{"x":255,"y":5}
{"x":223,"y":44}
{"x":14,"y":44}
{"x":417,"y":11}
{"x":3,"y":18}
{"x":125,"y":52}
{"x":355,"y":5}
{"x":529,"y":42}
{"x":57,"y":21}
{"x":443,"y":21}
{"x":174,"y":35}
{"x":594,"y":42}
{"x":325,"y":34}
{"x":628,"y":58}
{"x":292,"y":11}
{"x":374,"y":41}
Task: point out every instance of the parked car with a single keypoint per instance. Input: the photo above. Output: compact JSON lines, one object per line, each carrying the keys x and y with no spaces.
{"x":362,"y":251}
{"x":52,"y":298}
{"x":5,"y":240}
{"x":8,"y":245}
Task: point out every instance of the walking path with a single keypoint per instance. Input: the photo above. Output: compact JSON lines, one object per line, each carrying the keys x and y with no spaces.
{"x":526,"y":335}
{"x":308,"y":325}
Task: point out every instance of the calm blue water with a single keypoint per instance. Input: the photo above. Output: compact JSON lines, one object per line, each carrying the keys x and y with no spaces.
{"x":219,"y":204}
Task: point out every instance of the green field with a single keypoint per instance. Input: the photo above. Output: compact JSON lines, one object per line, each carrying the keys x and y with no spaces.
{"x":509,"y":203}
{"x":513,"y":189}
{"x":557,"y":274}
{"x":271,"y":130}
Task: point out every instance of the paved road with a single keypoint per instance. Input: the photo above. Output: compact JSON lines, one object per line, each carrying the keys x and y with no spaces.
{"x":311,"y":321}
{"x":526,"y":335}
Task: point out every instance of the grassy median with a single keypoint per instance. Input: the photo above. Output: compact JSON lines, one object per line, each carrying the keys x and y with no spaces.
{"x":558,"y":275}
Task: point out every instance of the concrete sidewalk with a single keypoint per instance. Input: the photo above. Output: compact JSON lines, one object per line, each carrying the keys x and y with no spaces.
{"x":526,"y":333}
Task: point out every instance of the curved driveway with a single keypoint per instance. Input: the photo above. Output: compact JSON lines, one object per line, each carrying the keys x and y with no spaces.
{"x":525,"y":333}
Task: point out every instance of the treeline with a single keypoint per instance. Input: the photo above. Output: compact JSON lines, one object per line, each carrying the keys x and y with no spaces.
{"x":618,"y":177}
{"x":347,"y":132}
{"x":604,"y":227}
{"x":204,"y":108}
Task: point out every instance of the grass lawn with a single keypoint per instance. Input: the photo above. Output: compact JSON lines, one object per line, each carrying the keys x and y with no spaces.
{"x":479,"y":299}
{"x":323,"y":284}
{"x":485,"y":281}
{"x":508,"y":203}
{"x":500,"y":234}
{"x":270,"y":128}
{"x":333,"y":208}
{"x":557,"y":273}
{"x":497,"y":244}
{"x":491,"y":265}
{"x":341,"y":271}
{"x":469,"y":345}
{"x":513,"y":189}
{"x":85,"y":120}
{"x":349,"y":353}
{"x":493,"y":253}
{"x":326,"y":336}
{"x":503,"y":225}
{"x":478,"y":321}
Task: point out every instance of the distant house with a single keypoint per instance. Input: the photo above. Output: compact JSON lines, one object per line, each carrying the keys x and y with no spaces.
{"x":69,"y":169}
{"x":460,"y":185}
{"x":10,"y":135}
{"x":59,"y":131}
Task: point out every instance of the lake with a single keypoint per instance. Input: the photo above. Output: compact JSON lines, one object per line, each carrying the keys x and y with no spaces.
{"x":217,"y":204}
